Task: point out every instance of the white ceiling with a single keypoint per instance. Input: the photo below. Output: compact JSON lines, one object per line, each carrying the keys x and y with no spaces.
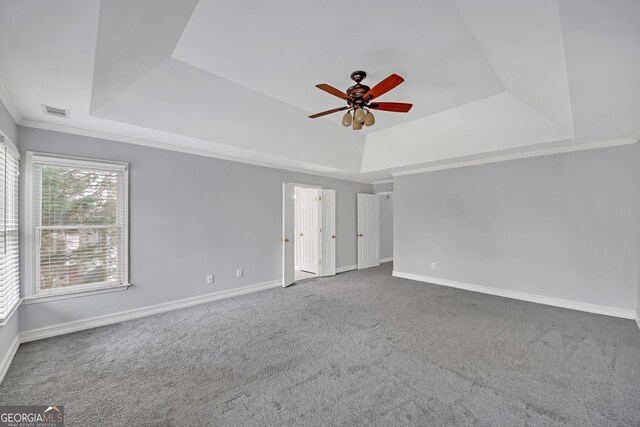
{"x":227,"y":80}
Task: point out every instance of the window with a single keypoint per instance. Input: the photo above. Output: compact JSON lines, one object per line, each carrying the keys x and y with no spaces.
{"x":78,"y":222}
{"x":9,"y":244}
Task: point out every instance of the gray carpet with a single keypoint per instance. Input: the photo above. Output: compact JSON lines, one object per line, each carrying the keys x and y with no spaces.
{"x":362,"y":348}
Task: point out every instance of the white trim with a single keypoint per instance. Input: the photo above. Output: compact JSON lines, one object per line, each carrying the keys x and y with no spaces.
{"x":638,"y":318}
{"x":534,"y":153}
{"x":383,"y":181}
{"x":384,"y":193}
{"x":8,"y":357}
{"x":540,"y":299}
{"x":74,"y":294}
{"x":30,"y":272}
{"x":4,"y":139}
{"x":108,"y":319}
{"x":308,"y":186}
{"x":9,"y":101}
{"x":386,"y":260}
{"x":79,"y":162}
{"x":27,"y":220}
{"x":346,"y":268}
{"x":173,"y":146}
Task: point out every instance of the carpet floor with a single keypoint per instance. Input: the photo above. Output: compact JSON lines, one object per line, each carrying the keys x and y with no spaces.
{"x":362,"y":348}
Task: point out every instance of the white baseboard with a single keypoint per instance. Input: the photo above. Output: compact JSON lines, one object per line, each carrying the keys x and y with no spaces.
{"x":347,"y":268}
{"x":355,"y":267}
{"x":8,"y":357}
{"x":108,"y":319}
{"x":638,"y":318}
{"x":540,"y":299}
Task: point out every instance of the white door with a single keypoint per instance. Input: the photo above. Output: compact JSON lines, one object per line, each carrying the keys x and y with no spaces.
{"x":296,"y":226}
{"x":368,"y":230}
{"x":328,"y":204}
{"x":309,"y":230}
{"x":287,"y":234}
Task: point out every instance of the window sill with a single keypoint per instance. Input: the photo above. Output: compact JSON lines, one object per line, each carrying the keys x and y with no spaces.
{"x":74,"y":294}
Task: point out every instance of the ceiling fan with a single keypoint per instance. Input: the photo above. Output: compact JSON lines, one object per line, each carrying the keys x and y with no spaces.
{"x":359,"y":99}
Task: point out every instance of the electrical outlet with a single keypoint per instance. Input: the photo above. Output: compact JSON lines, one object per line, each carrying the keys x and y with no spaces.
{"x":209,"y":279}
{"x":433,"y":265}
{"x":239,"y":273}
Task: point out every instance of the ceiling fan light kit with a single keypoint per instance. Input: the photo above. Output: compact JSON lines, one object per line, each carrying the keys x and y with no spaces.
{"x":347,"y":119}
{"x":359,"y":98}
{"x":369,"y":119}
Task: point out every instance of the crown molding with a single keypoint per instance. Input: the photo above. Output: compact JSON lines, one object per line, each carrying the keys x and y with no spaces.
{"x":383,"y":181}
{"x":516,"y":156}
{"x":188,"y":150}
{"x":9,"y":101}
{"x":342,"y":176}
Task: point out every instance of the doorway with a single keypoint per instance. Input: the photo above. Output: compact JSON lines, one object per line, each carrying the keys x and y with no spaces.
{"x":308,"y":232}
{"x":306,"y":227}
{"x":368,"y":230}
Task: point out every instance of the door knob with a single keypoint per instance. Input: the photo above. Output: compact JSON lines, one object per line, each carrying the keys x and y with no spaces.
{"x":284,"y":240}
{"x":359,"y":235}
{"x":333,"y":236}
{"x":301,"y":234}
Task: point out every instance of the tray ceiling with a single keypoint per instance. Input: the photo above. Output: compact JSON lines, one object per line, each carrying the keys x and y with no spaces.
{"x":227,"y":80}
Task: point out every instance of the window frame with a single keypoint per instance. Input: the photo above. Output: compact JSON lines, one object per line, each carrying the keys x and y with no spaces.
{"x":30,"y":289}
{"x":10,"y":147}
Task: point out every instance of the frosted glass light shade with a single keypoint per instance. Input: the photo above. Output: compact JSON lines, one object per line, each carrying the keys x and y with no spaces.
{"x":357,"y":125}
{"x":369,"y":120}
{"x":347,"y":119}
{"x":358,"y":116}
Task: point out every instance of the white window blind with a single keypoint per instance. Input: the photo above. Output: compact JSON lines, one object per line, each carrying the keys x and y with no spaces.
{"x":79,"y":218}
{"x":9,"y":244}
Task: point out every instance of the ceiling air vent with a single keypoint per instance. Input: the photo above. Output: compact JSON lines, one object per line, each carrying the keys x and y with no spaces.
{"x":56,"y":112}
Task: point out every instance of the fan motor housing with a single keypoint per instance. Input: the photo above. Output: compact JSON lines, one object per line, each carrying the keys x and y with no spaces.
{"x":358,"y":91}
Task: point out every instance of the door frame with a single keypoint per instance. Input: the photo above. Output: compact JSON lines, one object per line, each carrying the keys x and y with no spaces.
{"x":320,"y":223}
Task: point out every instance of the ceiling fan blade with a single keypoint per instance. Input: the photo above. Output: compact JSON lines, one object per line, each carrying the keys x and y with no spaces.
{"x":396,"y":107}
{"x":333,"y":91}
{"x":384,"y":86}
{"x":324,"y":113}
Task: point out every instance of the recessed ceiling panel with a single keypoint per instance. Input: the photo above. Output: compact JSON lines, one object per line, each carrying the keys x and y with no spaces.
{"x":133,"y":37}
{"x":496,"y":123}
{"x":283,"y":48}
{"x":523,"y":41}
{"x":602,"y":43}
{"x":179,"y":98}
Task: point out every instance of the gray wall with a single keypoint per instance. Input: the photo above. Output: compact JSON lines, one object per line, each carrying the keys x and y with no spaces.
{"x":9,"y":331}
{"x":386,"y":226}
{"x":564,"y":226}
{"x":8,"y":334}
{"x":386,"y":186}
{"x":190,"y":216}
